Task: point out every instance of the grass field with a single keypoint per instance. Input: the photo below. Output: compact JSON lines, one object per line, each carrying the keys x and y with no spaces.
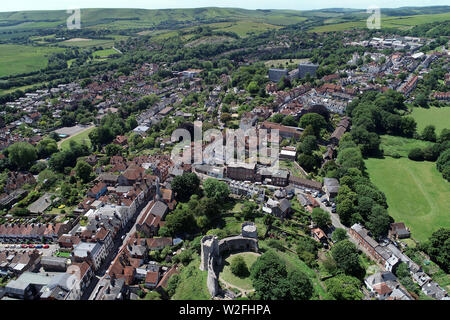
{"x":404,"y":22}
{"x":80,"y":138}
{"x":243,"y":28}
{"x":16,"y":59}
{"x":439,"y":117}
{"x":104,"y":53}
{"x":416,"y":193}
{"x":400,"y":145}
{"x":242,"y":283}
{"x":192,"y":285}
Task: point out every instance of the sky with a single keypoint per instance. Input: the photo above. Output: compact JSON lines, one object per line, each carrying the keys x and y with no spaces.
{"x":247,"y":4}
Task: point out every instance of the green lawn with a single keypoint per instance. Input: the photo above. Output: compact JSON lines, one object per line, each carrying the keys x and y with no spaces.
{"x":228,"y":276}
{"x":439,"y":117}
{"x":192,"y":285}
{"x":416,"y":193}
{"x":400,"y":145}
{"x":80,"y":138}
{"x":104,"y":53}
{"x":16,"y":59}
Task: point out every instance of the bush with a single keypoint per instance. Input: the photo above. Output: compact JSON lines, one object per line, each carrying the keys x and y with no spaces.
{"x":416,"y":154}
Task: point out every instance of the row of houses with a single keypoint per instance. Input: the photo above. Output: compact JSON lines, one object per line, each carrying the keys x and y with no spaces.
{"x":389,"y":257}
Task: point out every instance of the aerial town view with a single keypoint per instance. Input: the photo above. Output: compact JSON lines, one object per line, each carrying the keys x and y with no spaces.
{"x":193,"y":150}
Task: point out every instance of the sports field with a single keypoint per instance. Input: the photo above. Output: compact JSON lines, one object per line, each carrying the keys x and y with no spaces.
{"x":439,"y":117}
{"x":79,"y":137}
{"x":416,"y":193}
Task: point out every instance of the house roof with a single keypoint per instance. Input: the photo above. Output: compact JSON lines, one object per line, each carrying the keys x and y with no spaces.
{"x":152,"y":277}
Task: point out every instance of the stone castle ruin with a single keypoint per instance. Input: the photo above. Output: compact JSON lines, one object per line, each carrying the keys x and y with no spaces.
{"x":213,"y":249}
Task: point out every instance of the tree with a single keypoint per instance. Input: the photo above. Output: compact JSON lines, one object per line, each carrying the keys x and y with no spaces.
{"x":445,"y":135}
{"x":346,"y":256}
{"x":268,"y":275}
{"x":315,"y":120}
{"x":309,"y":131}
{"x":307,"y":162}
{"x":379,"y":221}
{"x":429,"y":133}
{"x":438,"y":248}
{"x":277,"y":118}
{"x":217,"y":190}
{"x":416,"y":154}
{"x":443,"y":161}
{"x":421,"y":100}
{"x":253,"y":88}
{"x":178,"y":222}
{"x":22,"y":155}
{"x":185,"y":186}
{"x":289,"y":121}
{"x":46,"y":147}
{"x":239,"y":267}
{"x":309,"y":145}
{"x":300,"y":286}
{"x":321,"y":218}
{"x":113,"y":149}
{"x":83,"y":170}
{"x":343,"y":287}
{"x":249,"y":210}
{"x":339,"y":234}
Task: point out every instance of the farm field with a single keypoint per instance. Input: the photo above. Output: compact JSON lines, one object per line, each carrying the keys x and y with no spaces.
{"x":439,"y":117}
{"x":388,"y":22}
{"x":16,"y":59}
{"x":243,"y":28}
{"x":401,"y":146}
{"x":416,"y":193}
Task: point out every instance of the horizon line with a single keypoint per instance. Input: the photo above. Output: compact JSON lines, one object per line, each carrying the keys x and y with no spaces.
{"x":211,"y":7}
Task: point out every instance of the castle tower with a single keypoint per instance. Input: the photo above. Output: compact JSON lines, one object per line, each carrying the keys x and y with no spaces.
{"x":249,"y":230}
{"x":210,"y":247}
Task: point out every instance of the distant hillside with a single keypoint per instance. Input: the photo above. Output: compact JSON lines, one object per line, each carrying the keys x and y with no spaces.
{"x":177,"y":18}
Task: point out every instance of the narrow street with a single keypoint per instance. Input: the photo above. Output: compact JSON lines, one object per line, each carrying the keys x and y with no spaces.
{"x":91,"y":292}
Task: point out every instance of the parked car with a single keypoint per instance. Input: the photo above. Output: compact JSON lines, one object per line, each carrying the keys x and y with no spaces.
{"x":46,"y":246}
{"x":39,"y":246}
{"x":24,"y":246}
{"x":31,"y":246}
{"x":333,"y":210}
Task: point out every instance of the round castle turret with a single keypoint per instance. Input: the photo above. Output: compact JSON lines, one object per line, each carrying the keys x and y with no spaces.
{"x":249,"y":230}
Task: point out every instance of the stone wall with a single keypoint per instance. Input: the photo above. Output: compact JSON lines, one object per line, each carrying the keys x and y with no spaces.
{"x":212,"y":249}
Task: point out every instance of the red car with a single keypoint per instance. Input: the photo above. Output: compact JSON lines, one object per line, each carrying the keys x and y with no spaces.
{"x":31,"y":246}
{"x":46,"y":246}
{"x":24,"y":246}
